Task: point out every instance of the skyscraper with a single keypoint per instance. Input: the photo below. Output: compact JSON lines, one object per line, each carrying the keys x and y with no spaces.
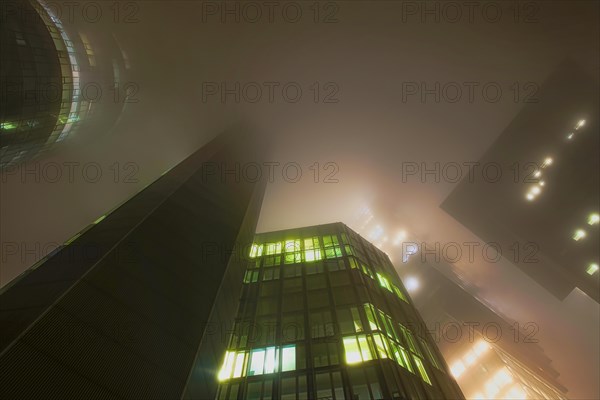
{"x":490,"y":355}
{"x":57,"y":79}
{"x":323,"y":315}
{"x":534,"y":193}
{"x":122,"y":309}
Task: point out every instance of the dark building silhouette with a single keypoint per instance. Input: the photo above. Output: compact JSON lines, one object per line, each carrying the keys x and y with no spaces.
{"x":323,"y":315}
{"x":123,"y":308}
{"x":539,"y":199}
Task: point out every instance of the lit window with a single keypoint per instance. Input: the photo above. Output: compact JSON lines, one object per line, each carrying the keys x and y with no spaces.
{"x":356,"y":349}
{"x":384,"y":282}
{"x":422,"y":370}
{"x":352,"y":350}
{"x":288,"y":358}
{"x":256,"y":250}
{"x":270,"y":360}
{"x":332,"y":246}
{"x":292,"y":251}
{"x":593,"y":219}
{"x":401,"y":356}
{"x":227,"y":367}
{"x":273,"y":248}
{"x":370,"y":312}
{"x":592,"y":269}
{"x":312,"y":249}
{"x":356,"y":318}
{"x":381,"y":345}
{"x":257,"y":362}
{"x":579,"y":234}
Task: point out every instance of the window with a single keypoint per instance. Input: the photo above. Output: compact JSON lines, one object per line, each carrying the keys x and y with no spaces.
{"x":321,"y":324}
{"x":270,"y":274}
{"x":258,"y":362}
{"x":421,"y":369}
{"x":332,"y":246}
{"x":372,"y":320}
{"x":384,"y":282}
{"x":312,"y":249}
{"x":401,"y":356}
{"x":381,"y":345}
{"x":251,"y":276}
{"x":273,"y":248}
{"x":315,"y":282}
{"x":293,"y":302}
{"x":356,"y":349}
{"x":292,"y":251}
{"x":272,"y":260}
{"x":288,"y":358}
{"x":367,"y":270}
{"x":409,"y":339}
{"x":399,"y":293}
{"x":353,"y":262}
{"x":256,"y":250}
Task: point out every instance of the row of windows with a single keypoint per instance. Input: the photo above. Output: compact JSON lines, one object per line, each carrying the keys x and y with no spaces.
{"x":297,"y":250}
{"x":267,"y":360}
{"x":362,"y":348}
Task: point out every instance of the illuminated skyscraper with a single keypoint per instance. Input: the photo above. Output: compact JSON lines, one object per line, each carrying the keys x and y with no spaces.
{"x":53,"y":85}
{"x":323,"y":315}
{"x":535,"y":191}
{"x":122,"y":310}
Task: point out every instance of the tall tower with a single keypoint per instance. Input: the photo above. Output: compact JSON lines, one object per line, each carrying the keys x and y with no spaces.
{"x":122,"y":309}
{"x":323,"y":315}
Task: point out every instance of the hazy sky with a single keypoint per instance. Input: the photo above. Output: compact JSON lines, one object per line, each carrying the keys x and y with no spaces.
{"x":355,"y":119}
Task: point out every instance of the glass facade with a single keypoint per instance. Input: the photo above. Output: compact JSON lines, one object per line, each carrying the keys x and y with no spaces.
{"x":323,"y":314}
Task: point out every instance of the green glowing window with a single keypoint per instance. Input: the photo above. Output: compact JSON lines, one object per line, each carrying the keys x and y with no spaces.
{"x":251,"y":276}
{"x":256,"y":250}
{"x":384,"y":282}
{"x":288,"y":358}
{"x":399,"y":293}
{"x":265,"y":361}
{"x":273,"y":248}
{"x":312,"y":249}
{"x":387,"y":323}
{"x":381,"y":345}
{"x":332,"y":246}
{"x":370,"y":312}
{"x":366,"y":270}
{"x":292,"y":251}
{"x":421,"y":369}
{"x":401,"y":356}
{"x":353,"y":262}
{"x":349,"y":250}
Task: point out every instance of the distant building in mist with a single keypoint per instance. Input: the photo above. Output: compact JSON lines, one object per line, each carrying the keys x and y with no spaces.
{"x":490,"y":356}
{"x":323,"y":315}
{"x":125,"y":308}
{"x":543,"y":209}
{"x":57,"y":78}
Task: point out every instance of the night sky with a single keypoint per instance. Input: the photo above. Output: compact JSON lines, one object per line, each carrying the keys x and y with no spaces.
{"x":361,"y":129}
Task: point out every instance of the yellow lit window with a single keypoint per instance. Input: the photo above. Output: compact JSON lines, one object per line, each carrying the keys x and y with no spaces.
{"x":292,"y":251}
{"x":273,"y":248}
{"x":312,"y":249}
{"x":256,"y":250}
{"x":421,"y":369}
